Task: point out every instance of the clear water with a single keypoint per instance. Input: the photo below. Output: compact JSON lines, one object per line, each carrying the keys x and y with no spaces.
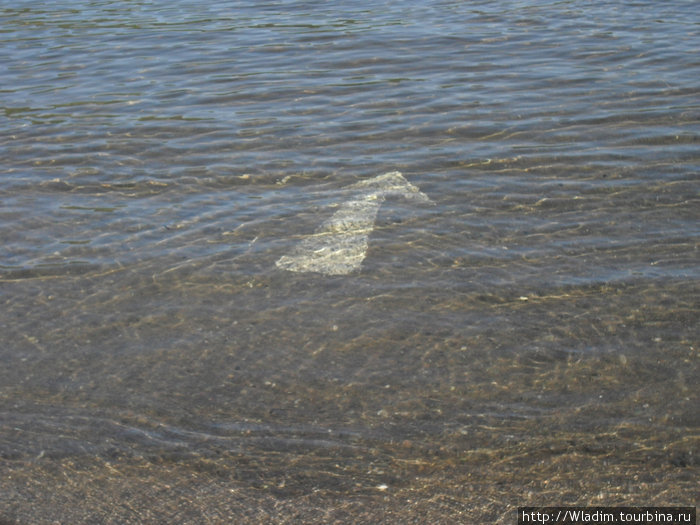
{"x":530,"y":337}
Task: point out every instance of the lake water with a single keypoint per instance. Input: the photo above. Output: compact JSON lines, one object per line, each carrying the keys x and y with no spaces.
{"x":526,"y":334}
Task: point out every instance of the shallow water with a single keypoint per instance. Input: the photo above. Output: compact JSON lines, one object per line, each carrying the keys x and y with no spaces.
{"x":527,"y":337}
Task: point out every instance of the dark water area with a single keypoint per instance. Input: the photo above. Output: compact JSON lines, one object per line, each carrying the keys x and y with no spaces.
{"x":527,"y":334}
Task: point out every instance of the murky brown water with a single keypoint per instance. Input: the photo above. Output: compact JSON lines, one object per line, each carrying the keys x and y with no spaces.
{"x":527,"y":337}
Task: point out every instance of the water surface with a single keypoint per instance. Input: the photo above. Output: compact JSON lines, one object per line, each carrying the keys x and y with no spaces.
{"x":528,"y":338}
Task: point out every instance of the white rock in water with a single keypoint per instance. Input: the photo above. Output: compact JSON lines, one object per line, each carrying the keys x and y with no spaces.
{"x":339,"y":245}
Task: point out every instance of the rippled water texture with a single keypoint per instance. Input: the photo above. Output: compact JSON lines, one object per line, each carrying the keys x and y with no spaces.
{"x":524,"y":333}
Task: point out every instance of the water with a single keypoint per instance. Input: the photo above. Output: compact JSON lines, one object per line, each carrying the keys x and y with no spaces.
{"x":528,"y":337}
